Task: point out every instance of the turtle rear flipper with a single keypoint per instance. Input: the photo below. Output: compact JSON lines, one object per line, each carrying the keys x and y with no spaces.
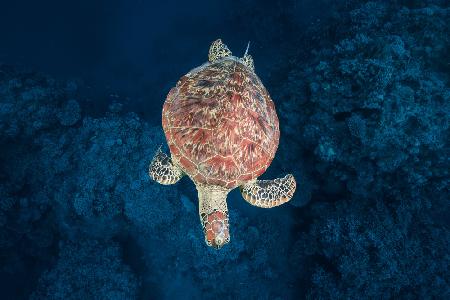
{"x":162,"y":170}
{"x":248,"y":59}
{"x":269,"y":193}
{"x":218,"y":50}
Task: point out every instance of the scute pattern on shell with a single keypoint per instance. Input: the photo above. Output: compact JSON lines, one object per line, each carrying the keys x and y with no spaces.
{"x":221,"y":124}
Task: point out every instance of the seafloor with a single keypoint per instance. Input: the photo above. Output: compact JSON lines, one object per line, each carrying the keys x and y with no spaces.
{"x":362,"y":93}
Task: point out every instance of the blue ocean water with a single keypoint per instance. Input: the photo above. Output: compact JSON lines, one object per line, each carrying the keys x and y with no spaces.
{"x":362,"y":92}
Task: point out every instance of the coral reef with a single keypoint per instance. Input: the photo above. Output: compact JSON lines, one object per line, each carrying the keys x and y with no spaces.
{"x":364,"y":103}
{"x":76,"y":183}
{"x":370,"y":113}
{"x":88,"y":270}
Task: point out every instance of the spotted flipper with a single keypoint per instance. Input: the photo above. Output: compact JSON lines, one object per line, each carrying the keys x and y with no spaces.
{"x":218,"y":50}
{"x":269,"y":193}
{"x":248,"y":59}
{"x":162,"y":170}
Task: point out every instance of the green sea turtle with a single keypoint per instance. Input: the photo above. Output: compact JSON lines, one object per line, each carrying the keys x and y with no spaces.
{"x":222,"y":130}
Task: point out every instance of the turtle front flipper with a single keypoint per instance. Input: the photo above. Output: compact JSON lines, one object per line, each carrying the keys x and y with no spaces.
{"x":218,"y":50}
{"x":269,"y":193}
{"x":162,"y":170}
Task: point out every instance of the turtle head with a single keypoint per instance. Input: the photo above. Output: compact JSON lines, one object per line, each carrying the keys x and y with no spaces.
{"x":214,"y":214}
{"x":216,"y":228}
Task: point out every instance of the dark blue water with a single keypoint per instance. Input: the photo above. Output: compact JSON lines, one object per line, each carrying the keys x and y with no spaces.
{"x":363,"y":97}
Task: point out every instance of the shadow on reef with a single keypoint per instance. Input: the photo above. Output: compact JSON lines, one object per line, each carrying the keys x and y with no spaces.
{"x":364,"y":113}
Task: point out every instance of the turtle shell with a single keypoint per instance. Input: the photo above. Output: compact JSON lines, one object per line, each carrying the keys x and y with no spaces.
{"x":221,"y":125}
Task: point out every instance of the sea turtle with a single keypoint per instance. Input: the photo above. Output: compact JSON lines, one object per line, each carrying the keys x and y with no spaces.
{"x":222,"y":130}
